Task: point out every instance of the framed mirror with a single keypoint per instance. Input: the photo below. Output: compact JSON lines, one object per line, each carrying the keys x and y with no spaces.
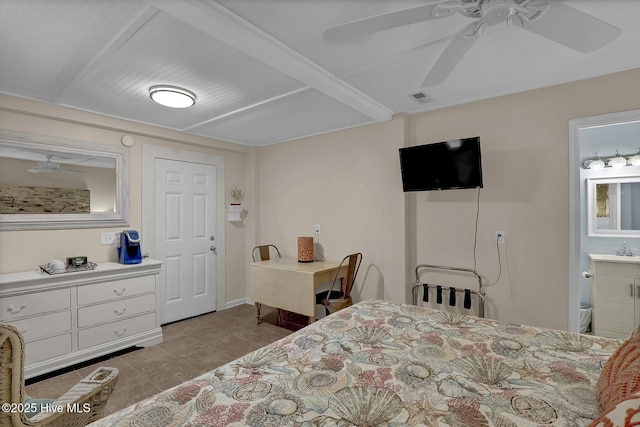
{"x":54,"y":183}
{"x":614,"y":206}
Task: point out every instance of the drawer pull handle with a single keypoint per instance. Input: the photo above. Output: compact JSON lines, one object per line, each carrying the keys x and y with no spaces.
{"x":631,"y":288}
{"x":121,"y":312}
{"x":14,"y":310}
{"x":120,"y":333}
{"x":119,"y":292}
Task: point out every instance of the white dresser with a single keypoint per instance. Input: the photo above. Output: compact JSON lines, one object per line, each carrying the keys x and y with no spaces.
{"x":615,"y":294}
{"x":73,"y":317}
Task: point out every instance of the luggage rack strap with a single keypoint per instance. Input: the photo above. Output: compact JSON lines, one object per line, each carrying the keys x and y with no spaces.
{"x":417,"y":284}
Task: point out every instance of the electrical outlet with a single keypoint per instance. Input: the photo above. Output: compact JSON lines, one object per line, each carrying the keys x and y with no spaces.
{"x":500,"y":238}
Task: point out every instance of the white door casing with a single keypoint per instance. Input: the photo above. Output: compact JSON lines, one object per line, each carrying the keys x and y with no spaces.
{"x":202,"y":260}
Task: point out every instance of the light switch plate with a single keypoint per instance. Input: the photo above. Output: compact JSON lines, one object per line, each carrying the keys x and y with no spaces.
{"x":109,"y":238}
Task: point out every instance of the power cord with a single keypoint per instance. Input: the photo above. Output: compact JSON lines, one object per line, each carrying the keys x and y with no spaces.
{"x":475,"y":244}
{"x":499,"y":263}
{"x":475,"y":238}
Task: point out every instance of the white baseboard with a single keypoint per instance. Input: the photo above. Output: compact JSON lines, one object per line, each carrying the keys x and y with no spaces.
{"x":238,"y":302}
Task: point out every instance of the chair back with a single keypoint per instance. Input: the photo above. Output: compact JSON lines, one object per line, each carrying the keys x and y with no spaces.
{"x":353,"y":262}
{"x":11,"y":374}
{"x":90,"y":394}
{"x":263,"y":252}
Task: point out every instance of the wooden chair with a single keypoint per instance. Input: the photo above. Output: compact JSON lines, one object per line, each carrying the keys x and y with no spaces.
{"x":264,"y":252}
{"x":337,"y":300}
{"x":86,"y":399}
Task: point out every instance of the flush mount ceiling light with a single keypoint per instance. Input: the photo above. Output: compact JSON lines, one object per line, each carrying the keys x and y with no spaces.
{"x":172,"y":96}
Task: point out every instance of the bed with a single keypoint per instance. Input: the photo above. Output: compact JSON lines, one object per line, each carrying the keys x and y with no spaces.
{"x":381,"y":363}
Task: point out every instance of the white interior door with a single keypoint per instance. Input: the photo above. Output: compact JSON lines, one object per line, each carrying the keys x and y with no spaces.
{"x":185,"y":210}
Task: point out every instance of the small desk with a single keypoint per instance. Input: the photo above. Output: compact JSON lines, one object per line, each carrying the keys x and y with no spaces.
{"x":290,"y":285}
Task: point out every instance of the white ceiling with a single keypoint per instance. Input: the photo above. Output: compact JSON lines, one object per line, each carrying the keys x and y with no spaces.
{"x":262,"y":70}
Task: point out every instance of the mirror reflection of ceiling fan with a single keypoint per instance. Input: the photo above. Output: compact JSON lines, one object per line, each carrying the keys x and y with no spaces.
{"x":50,"y":166}
{"x":548,"y":18}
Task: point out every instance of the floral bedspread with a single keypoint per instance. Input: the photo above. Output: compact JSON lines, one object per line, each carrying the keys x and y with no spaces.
{"x":384,"y":364}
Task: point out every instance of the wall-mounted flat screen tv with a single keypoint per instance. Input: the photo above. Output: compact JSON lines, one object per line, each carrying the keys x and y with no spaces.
{"x":443,"y":165}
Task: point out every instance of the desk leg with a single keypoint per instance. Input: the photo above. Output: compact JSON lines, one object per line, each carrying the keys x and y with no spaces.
{"x":258,"y":306}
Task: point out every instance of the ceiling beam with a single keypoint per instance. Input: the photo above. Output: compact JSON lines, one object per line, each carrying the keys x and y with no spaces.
{"x":224,"y":25}
{"x":112,"y":46}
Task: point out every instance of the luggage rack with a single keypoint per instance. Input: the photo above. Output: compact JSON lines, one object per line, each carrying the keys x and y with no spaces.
{"x":480,"y":293}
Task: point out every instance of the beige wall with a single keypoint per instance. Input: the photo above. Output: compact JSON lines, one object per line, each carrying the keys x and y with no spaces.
{"x":349,"y":183}
{"x":345,"y":182}
{"x":25,"y":250}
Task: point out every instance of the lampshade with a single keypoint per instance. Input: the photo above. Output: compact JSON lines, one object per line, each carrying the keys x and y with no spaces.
{"x":635,"y":160}
{"x":618,"y":161}
{"x":305,"y":249}
{"x":172,"y":96}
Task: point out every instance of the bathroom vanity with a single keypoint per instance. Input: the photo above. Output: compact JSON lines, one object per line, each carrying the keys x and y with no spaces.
{"x":615,"y":294}
{"x":73,"y":317}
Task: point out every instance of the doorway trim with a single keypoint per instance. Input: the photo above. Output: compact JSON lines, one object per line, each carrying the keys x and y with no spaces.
{"x":149,"y":155}
{"x":575,"y":126}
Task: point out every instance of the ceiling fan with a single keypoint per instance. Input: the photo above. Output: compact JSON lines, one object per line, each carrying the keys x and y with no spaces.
{"x":548,"y":18}
{"x":49,"y":166}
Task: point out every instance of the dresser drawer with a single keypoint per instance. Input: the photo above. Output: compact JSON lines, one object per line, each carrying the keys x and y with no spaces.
{"x":115,"y":310}
{"x":38,"y":327}
{"x":107,"y":291}
{"x":38,"y":351}
{"x":19,"y":306}
{"x":114,"y":331}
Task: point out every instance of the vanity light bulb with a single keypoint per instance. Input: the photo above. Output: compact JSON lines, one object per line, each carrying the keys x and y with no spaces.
{"x":618,"y":161}
{"x":596,"y":164}
{"x":635,"y":160}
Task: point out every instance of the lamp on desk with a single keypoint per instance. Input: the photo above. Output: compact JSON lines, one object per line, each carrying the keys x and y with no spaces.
{"x":305,"y":249}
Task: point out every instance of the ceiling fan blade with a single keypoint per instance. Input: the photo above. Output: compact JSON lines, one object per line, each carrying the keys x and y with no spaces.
{"x":453,"y":54}
{"x":362,"y":27}
{"x":570,"y":27}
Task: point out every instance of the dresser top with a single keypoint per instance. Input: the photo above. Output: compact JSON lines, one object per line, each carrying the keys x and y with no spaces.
{"x":104,"y":269}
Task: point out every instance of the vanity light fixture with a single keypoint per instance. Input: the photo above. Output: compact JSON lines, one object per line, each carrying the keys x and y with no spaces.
{"x":172,"y":96}
{"x":618,"y":161}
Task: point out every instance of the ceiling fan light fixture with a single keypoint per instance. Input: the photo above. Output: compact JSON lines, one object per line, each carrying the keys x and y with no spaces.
{"x":618,"y":161}
{"x":172,"y":96}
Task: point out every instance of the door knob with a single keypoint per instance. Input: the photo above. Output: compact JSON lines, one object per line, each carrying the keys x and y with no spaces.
{"x":212,"y":238}
{"x":586,"y":275}
{"x":212,"y":248}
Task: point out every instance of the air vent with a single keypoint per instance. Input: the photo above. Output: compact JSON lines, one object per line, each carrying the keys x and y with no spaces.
{"x":421,"y":97}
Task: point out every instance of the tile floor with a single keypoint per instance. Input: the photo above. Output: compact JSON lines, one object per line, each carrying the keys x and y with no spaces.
{"x":191,"y":347}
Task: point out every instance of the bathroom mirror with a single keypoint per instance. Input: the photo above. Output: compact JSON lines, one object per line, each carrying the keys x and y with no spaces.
{"x":54,"y":183}
{"x":614,"y":206}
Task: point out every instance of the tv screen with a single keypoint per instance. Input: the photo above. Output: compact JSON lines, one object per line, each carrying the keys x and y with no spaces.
{"x":443,"y":165}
